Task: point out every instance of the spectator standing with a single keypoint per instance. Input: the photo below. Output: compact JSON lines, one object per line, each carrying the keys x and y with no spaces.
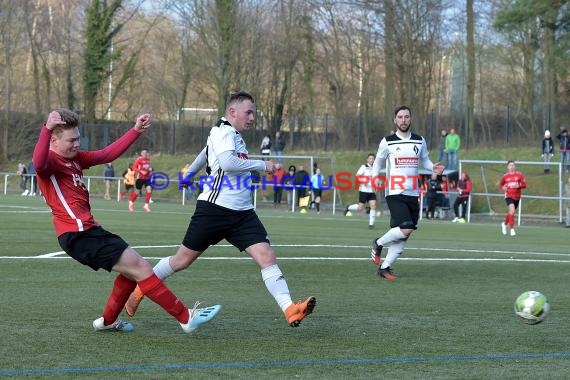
{"x":266,"y":146}
{"x":33,"y":179}
{"x":109,"y":174}
{"x":547,"y":150}
{"x":464,"y":187}
{"x":22,"y":172}
{"x":564,"y":149}
{"x":302,"y":184}
{"x":278,"y":184}
{"x":289,"y":184}
{"x":279,"y":146}
{"x":444,"y":197}
{"x":452,"y":145}
{"x":317,"y":183}
{"x":433,"y":194}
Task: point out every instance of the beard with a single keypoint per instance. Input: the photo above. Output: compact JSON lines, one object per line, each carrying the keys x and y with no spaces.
{"x":404,"y":128}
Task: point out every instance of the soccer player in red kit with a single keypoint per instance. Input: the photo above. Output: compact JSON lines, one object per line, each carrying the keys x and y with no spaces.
{"x":512,"y":183}
{"x":143,"y":170}
{"x":59,"y":164}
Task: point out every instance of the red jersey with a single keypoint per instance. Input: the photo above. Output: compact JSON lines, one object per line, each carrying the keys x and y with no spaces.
{"x":464,"y":188}
{"x":142,"y":167}
{"x":61,"y":180}
{"x":515,"y":182}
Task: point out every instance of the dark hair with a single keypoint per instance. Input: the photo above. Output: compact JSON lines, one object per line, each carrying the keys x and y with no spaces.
{"x":402,"y":108}
{"x":238,"y":97}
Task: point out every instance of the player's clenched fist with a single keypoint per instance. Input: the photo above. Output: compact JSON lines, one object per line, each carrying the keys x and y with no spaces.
{"x":143,"y":122}
{"x":54,"y":119}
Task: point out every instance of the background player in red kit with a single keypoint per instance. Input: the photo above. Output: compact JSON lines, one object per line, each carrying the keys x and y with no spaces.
{"x":59,"y":164}
{"x":512,"y":183}
{"x":143,"y":170}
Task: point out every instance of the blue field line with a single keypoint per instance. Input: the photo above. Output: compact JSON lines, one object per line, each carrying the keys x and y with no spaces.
{"x":451,"y":358}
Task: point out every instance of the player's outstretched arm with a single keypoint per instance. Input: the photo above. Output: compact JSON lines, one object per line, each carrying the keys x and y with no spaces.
{"x":113,"y":151}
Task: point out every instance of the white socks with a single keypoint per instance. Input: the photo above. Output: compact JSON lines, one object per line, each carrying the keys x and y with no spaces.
{"x":162,"y":269}
{"x":272,"y":276}
{"x":372,"y":217}
{"x":394,"y":251}
{"x":392,"y":236}
{"x":277,"y":285}
{"x":353,"y":207}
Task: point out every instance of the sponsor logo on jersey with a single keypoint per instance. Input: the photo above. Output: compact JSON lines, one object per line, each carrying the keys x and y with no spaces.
{"x":406,"y":161}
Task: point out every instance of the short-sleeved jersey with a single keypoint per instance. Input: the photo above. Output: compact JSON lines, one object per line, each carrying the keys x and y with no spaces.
{"x":318,"y":181}
{"x":515,"y":182}
{"x":227,"y":189}
{"x":61,"y":181}
{"x":366,"y":170}
{"x":142,"y":167}
{"x":403,"y":158}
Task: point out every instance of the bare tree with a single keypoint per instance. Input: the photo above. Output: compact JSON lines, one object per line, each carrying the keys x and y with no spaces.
{"x":469,"y":120}
{"x":11,"y":34}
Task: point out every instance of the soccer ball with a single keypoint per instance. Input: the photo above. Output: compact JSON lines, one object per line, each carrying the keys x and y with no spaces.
{"x":532,"y":307}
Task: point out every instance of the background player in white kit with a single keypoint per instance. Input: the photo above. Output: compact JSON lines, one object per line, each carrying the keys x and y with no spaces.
{"x":404,"y":152}
{"x":366,"y":192}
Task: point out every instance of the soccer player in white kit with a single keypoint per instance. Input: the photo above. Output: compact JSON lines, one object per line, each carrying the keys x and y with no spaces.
{"x":366,"y":192}
{"x":403,"y":152}
{"x":224,"y":210}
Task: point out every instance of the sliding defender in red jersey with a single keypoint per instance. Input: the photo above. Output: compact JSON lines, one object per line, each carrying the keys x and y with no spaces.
{"x":512,"y":183}
{"x":59,"y":164}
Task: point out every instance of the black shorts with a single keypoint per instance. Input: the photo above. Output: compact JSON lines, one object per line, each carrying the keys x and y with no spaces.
{"x":95,"y":247}
{"x":511,"y":201}
{"x":212,"y":223}
{"x":404,"y":211}
{"x":317,"y":192}
{"x":366,"y":197}
{"x":140,"y":183}
{"x":129,"y":187}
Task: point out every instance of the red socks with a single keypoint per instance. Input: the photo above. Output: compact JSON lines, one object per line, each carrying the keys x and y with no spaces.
{"x":133,"y":197}
{"x":510,"y":221}
{"x":155,"y":290}
{"x":122,"y":289}
{"x":147,"y":198}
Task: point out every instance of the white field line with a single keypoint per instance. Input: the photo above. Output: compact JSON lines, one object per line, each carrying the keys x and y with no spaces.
{"x":61,"y":254}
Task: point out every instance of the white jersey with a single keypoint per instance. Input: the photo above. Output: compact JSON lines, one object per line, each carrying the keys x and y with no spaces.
{"x":403,"y":157}
{"x":366,"y":170}
{"x":230,"y":189}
